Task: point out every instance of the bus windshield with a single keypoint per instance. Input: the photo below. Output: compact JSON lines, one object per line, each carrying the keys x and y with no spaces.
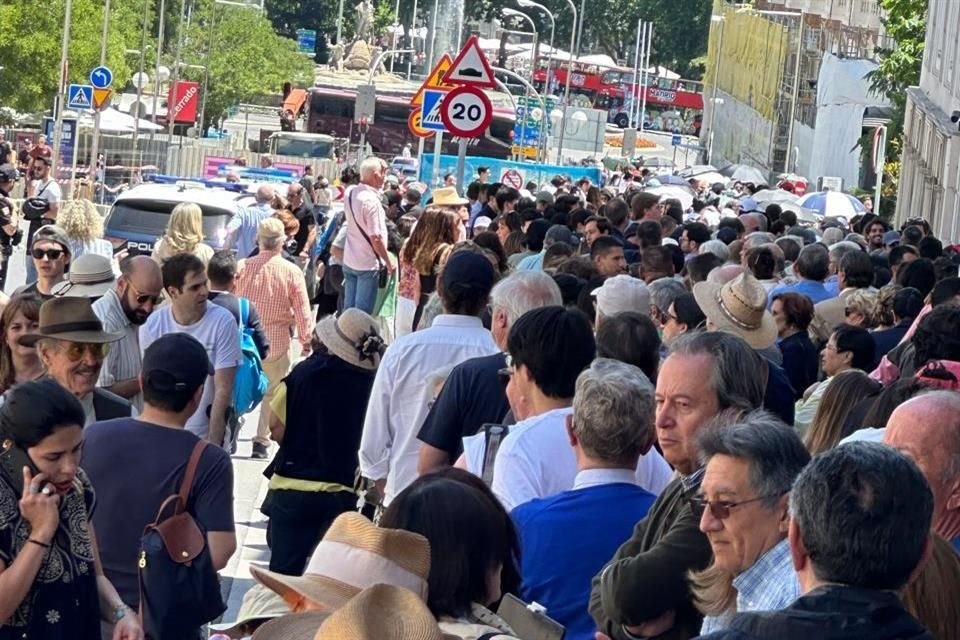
{"x":302,"y":146}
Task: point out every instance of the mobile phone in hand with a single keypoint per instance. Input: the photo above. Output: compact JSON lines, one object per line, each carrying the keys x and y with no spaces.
{"x":12,"y":461}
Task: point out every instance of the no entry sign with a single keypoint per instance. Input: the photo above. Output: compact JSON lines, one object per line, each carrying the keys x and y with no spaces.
{"x":466,"y":112}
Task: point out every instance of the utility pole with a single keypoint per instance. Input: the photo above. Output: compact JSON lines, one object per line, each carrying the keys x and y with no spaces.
{"x":95,"y":146}
{"x":156,"y":73}
{"x":61,"y":89}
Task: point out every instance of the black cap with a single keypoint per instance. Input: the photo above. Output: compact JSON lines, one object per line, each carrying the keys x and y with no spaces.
{"x":468,"y":269}
{"x":8,"y":173}
{"x":176,"y":362}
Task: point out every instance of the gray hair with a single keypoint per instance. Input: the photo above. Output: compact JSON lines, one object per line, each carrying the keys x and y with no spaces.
{"x":717,"y":248}
{"x":613,"y":411}
{"x":524,"y":291}
{"x":736,"y":373}
{"x":758,"y":238}
{"x":663,"y":291}
{"x":370,"y":166}
{"x":842,"y":248}
{"x":774,"y":451}
{"x":832,"y":235}
{"x":864,"y":513}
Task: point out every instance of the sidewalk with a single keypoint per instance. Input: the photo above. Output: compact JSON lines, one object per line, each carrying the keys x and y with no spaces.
{"x":250,"y":489}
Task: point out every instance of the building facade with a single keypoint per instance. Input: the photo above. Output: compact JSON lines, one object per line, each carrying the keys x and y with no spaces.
{"x":929,"y":174}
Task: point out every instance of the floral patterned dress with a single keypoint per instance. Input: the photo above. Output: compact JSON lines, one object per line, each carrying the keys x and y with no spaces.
{"x":63,"y":601}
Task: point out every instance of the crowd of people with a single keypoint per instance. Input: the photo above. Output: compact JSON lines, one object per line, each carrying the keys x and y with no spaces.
{"x":650,"y":422}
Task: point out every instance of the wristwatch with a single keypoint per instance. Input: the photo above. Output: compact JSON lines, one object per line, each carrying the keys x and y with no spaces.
{"x":119,"y":613}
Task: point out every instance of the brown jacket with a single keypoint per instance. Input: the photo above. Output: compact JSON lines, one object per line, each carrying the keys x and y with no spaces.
{"x":648,"y":574}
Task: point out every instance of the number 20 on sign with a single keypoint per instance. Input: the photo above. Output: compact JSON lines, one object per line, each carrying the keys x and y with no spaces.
{"x":466,"y":112}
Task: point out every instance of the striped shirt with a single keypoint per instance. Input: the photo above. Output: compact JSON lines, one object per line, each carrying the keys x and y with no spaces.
{"x":123,"y":360}
{"x":770,"y":584}
{"x":279,"y":292}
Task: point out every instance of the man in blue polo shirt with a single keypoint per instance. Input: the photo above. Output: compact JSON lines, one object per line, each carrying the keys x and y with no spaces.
{"x":812,"y":267}
{"x":611,"y":427}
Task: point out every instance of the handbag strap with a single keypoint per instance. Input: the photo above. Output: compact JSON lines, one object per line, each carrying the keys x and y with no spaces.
{"x":360,"y":226}
{"x":187,"y":484}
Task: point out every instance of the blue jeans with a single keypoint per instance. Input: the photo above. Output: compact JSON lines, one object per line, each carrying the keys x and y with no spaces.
{"x":360,"y":289}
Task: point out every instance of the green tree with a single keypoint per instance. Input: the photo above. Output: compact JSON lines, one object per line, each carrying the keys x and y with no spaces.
{"x":30,"y":37}
{"x":906,"y":24}
{"x":243,"y":55}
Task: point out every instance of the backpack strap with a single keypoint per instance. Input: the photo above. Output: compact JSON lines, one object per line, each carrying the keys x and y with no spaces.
{"x":187,"y":483}
{"x":494,"y":435}
{"x":244,"y":313}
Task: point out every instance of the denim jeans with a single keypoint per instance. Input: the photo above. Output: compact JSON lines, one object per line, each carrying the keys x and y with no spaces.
{"x":360,"y":289}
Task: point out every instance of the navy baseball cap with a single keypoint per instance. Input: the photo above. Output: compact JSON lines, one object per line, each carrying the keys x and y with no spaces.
{"x":176,"y":362}
{"x":468,"y":269}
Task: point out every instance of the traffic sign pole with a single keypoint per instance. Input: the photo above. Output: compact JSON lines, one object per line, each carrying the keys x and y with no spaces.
{"x":437,"y":148}
{"x":461,"y":161}
{"x":95,"y":147}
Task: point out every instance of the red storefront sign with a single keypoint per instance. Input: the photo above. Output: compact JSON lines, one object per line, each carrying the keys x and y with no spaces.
{"x":184,"y":102}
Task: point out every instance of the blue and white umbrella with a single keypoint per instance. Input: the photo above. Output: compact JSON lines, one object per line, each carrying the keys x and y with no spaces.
{"x":832,"y":204}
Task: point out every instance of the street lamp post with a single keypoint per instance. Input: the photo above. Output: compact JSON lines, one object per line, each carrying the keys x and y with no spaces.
{"x":566,"y":89}
{"x":61,"y":88}
{"x":533,"y":63}
{"x":95,"y":145}
{"x":719,"y":21}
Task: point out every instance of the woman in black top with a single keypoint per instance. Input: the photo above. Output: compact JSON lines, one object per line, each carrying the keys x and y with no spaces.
{"x":318,"y":413}
{"x":794,"y":313}
{"x":51,"y":584}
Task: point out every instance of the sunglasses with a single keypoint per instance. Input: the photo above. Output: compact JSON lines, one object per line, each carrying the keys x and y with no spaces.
{"x":52,"y":254}
{"x":720,"y":509}
{"x":76,"y":350}
{"x":143,"y":298}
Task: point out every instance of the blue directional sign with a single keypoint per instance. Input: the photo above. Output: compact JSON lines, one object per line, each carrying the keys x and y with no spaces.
{"x":676,"y":140}
{"x":307,"y":41}
{"x":431,"y":110}
{"x":80,"y":96}
{"x":101,"y":78}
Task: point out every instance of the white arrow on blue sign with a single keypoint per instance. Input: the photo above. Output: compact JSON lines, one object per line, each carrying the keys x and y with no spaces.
{"x":676,"y":140}
{"x":101,"y":78}
{"x":432,"y":100}
{"x":80,"y":96}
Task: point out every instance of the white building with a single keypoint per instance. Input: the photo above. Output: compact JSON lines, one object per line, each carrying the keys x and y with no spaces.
{"x":929,"y":175}
{"x":864,"y":14}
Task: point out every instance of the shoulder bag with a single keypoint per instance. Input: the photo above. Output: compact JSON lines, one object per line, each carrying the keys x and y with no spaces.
{"x":36,"y":207}
{"x":383,"y":274}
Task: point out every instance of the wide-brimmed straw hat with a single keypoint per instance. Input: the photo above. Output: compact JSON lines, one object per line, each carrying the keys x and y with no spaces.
{"x":352,"y":336}
{"x":353,"y":555}
{"x":91,"y":276}
{"x":738,"y":307}
{"x":448,"y":197}
{"x":259,"y":603}
{"x":69,"y":319}
{"x":292,"y":626}
{"x":380,"y":612}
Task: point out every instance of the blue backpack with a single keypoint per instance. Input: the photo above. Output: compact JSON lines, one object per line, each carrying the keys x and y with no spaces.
{"x":250,"y":383}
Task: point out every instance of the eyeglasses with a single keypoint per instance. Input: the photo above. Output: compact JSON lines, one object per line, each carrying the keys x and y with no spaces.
{"x":76,"y":350}
{"x":143,"y":298}
{"x":52,"y":254}
{"x":720,"y":509}
{"x":506,"y":373}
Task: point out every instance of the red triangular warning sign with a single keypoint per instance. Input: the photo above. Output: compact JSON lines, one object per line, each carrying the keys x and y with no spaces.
{"x":471,"y":67}
{"x":435,"y":79}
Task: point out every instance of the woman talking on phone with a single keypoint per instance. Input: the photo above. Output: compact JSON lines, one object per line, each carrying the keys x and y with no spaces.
{"x":51,"y":583}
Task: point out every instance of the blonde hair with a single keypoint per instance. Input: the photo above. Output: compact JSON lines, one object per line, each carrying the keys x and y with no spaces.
{"x":713,"y":591}
{"x":81,"y":220}
{"x":185,"y":228}
{"x":864,"y":303}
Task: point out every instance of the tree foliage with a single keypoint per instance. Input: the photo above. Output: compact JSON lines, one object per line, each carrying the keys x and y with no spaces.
{"x":899,"y":68}
{"x":243,"y":55}
{"x":30,"y":36}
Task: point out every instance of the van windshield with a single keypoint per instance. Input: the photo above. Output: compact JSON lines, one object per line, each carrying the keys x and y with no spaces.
{"x":301,"y":147}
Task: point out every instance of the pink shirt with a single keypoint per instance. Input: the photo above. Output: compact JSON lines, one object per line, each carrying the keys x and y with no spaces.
{"x":363,"y":207}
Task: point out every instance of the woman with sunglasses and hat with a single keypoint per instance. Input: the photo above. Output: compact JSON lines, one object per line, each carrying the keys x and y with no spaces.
{"x":51,"y":583}
{"x":318,"y":413}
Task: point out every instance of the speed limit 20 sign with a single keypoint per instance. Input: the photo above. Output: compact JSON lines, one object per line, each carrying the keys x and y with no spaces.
{"x":466,"y":112}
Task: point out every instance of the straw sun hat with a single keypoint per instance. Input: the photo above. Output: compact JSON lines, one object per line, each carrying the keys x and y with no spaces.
{"x":353,"y":555}
{"x":738,"y":307}
{"x":352,"y":336}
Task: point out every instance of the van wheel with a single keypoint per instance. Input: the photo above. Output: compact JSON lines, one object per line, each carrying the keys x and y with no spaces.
{"x":622,"y":120}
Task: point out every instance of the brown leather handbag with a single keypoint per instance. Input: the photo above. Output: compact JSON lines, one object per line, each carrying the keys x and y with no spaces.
{"x":179,"y":587}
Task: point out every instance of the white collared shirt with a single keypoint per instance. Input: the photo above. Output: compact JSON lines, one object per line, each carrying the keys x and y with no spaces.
{"x":597,"y":477}
{"x":89,"y":412}
{"x":536,"y":460}
{"x":401,"y":397}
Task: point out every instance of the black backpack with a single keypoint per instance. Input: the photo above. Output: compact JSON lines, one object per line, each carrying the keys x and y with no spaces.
{"x":179,"y":588}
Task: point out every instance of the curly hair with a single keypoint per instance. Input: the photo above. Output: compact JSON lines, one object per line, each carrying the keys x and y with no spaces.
{"x":80,"y":219}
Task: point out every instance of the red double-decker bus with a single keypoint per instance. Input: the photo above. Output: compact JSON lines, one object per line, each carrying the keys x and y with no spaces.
{"x":673,"y":105}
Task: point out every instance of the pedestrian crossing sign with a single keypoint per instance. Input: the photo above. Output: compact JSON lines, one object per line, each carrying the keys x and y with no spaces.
{"x":434,"y":80}
{"x":432,"y":100}
{"x":80,"y":96}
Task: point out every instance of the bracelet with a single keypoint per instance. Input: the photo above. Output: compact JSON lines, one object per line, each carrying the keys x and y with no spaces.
{"x":45,"y":545}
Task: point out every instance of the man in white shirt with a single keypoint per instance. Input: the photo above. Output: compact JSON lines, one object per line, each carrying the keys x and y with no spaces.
{"x":366,"y":246}
{"x":42,"y":186}
{"x":401,"y":397}
{"x":185,"y":282}
{"x":242,"y":228}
